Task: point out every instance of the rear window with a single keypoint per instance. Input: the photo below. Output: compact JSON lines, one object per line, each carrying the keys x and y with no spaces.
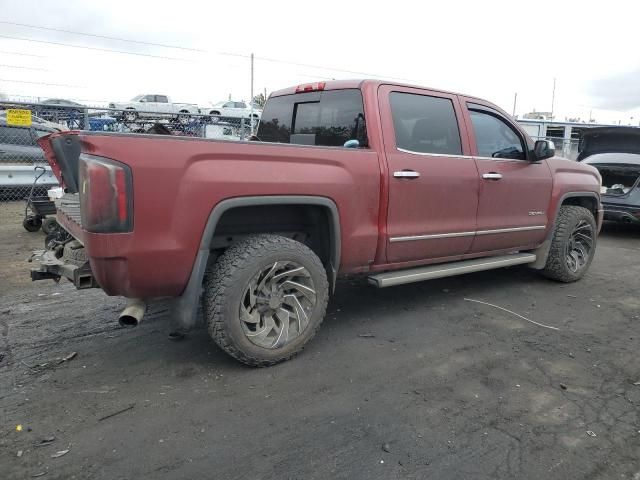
{"x":329,"y":118}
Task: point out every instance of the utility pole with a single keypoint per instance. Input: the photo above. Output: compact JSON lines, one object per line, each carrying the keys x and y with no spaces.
{"x":515,"y":100}
{"x":553,"y":97}
{"x":251,"y":98}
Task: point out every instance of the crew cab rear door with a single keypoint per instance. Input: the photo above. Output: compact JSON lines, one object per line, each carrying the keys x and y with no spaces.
{"x":432,"y":179}
{"x":515,"y":189}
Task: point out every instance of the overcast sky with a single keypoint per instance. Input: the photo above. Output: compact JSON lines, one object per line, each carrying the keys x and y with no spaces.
{"x":491,"y":49}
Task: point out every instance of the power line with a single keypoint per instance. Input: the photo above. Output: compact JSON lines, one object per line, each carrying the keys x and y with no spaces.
{"x":106,"y":37}
{"x":164,"y":45}
{"x":319,"y":67}
{"x":307,"y":65}
{"x":6,"y":52}
{"x":42,"y":83}
{"x":92,"y":48}
{"x":25,"y":68}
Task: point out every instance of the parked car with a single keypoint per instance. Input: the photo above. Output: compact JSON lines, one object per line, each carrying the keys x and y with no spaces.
{"x":231,"y":109}
{"x":615,"y":152}
{"x":154,"y":106}
{"x":20,"y":153}
{"x":59,"y":110}
{"x":396,"y":183}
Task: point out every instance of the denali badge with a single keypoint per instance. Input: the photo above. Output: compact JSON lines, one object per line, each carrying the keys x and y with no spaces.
{"x":531,"y":214}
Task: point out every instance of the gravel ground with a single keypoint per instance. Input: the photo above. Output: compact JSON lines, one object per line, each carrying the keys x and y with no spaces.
{"x":408,"y":382}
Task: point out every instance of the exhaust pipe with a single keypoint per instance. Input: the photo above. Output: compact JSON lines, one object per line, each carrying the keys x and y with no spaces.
{"x":132,"y":314}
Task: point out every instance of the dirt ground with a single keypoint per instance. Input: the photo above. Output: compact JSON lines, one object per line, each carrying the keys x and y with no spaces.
{"x":408,"y":382}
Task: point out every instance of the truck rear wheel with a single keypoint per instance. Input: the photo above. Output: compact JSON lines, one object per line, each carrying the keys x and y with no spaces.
{"x":265,"y":298}
{"x":573,"y":245}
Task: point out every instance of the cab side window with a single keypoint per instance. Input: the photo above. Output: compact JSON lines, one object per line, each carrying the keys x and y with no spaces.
{"x":425,"y":124}
{"x":495,"y":138}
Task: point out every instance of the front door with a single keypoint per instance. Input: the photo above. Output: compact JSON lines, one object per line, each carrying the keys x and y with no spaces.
{"x":515,"y":190}
{"x":433,"y":180}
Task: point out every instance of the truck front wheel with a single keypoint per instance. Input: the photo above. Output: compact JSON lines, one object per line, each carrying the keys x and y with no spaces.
{"x":265,"y":298}
{"x":573,"y":245}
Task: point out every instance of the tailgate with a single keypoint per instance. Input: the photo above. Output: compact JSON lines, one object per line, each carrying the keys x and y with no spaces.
{"x":62,"y":151}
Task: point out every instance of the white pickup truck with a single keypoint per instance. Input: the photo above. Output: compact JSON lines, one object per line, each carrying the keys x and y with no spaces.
{"x":154,"y":106}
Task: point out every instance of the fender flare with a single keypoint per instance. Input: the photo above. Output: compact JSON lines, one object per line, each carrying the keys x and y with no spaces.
{"x":185,"y":307}
{"x":542,"y":252}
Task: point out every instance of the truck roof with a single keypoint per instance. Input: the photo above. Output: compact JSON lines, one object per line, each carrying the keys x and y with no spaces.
{"x":360,"y":83}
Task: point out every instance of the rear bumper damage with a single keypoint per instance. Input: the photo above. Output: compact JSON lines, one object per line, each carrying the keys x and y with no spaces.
{"x":48,"y":266}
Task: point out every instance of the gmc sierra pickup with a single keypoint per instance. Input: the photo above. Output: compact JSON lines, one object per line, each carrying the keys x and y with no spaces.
{"x":394,"y":182}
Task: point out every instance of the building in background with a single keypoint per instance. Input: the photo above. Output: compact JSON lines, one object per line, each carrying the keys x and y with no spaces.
{"x":566,"y":135}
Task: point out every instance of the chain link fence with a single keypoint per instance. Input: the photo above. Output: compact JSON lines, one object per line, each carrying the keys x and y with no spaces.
{"x":23,"y":168}
{"x":565,"y":147}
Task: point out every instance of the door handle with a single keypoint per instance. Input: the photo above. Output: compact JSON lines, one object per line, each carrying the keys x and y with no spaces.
{"x":409,"y":174}
{"x":492,"y":176}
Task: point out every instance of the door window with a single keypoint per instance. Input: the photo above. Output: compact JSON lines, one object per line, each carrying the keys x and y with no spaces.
{"x":495,"y":138}
{"x":425,"y":124}
{"x":162,"y":99}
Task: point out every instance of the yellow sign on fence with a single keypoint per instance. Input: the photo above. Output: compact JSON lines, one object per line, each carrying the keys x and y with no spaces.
{"x":19,"y":117}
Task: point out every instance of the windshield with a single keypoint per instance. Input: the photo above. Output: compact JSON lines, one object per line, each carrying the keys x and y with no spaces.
{"x":329,"y":118}
{"x":137,"y":98}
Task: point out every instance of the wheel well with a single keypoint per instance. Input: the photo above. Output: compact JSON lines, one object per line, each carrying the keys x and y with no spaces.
{"x":183,"y":111}
{"x":308,"y":224}
{"x":214,"y":112}
{"x":590,"y":203}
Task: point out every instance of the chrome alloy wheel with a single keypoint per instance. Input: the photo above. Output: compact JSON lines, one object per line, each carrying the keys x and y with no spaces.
{"x":277,"y":303}
{"x":579,"y":246}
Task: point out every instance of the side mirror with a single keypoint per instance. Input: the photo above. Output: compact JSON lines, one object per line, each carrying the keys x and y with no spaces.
{"x":351,"y":144}
{"x":544,"y":149}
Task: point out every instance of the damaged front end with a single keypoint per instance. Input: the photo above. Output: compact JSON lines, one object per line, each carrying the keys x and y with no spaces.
{"x":615,"y":153}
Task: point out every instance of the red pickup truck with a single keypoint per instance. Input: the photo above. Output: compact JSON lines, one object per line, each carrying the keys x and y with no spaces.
{"x":395,"y":182}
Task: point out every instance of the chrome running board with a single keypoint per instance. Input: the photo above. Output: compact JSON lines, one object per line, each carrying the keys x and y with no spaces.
{"x":398,"y":277}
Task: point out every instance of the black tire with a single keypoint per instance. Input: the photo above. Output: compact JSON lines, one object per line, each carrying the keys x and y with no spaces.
{"x":568,"y":219}
{"x":32,"y":224}
{"x":50,"y":225}
{"x":183,"y":117}
{"x":129,"y":115}
{"x":75,"y":253}
{"x":225,"y":285}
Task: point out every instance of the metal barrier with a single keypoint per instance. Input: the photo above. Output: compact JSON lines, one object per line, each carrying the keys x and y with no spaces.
{"x":20,"y":153}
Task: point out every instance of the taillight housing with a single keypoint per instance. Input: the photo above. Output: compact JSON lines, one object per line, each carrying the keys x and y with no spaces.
{"x":106,"y":195}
